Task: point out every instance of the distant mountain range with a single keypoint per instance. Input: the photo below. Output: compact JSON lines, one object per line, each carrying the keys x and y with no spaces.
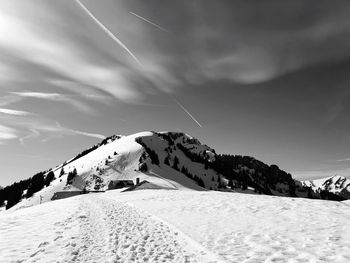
{"x":338,"y":185}
{"x":170,"y":160}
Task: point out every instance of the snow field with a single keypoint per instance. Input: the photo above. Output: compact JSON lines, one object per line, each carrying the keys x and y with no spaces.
{"x":41,"y":233}
{"x":253,"y":228}
{"x":177,"y":226}
{"x":92,"y":228}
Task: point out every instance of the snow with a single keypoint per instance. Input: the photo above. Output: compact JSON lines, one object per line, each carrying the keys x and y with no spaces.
{"x":335,"y":184}
{"x":119,"y":159}
{"x":177,"y":226}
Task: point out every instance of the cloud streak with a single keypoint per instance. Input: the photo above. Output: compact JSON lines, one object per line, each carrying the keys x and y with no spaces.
{"x":7,"y":133}
{"x":88,"y":134}
{"x":56,"y":97}
{"x":39,"y":95}
{"x":188,"y":113}
{"x":14,"y":112}
{"x":108,"y":32}
{"x":150,"y":22}
{"x":342,"y":160}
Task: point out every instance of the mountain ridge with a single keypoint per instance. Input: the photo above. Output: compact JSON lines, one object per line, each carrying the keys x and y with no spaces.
{"x":170,"y":160}
{"x":336,"y":184}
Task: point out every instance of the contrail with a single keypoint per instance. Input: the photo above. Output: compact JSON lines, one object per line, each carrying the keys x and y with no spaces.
{"x":108,"y":32}
{"x":150,"y":22}
{"x":188,"y":113}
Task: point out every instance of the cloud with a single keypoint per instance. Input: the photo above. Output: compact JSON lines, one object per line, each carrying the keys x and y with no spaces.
{"x":28,"y":127}
{"x":341,"y":160}
{"x":108,"y":32}
{"x":33,"y":133}
{"x":39,"y":95}
{"x":6,"y":100}
{"x":56,"y":97}
{"x":65,"y":54}
{"x":318,"y":174}
{"x":50,"y":130}
{"x":246,"y":44}
{"x":7,"y":133}
{"x":14,"y":112}
{"x":88,"y":134}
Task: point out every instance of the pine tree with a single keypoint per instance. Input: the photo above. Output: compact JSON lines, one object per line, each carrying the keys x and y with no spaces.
{"x":143,"y":167}
{"x":37,"y":183}
{"x":71,"y":176}
{"x":166,"y":161}
{"x":176,"y":163}
{"x":230,"y":184}
{"x":49,"y":178}
{"x":62,"y":172}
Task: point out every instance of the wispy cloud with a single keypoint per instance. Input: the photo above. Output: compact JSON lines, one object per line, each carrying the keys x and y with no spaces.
{"x":49,"y":130}
{"x":341,"y":160}
{"x":7,"y":133}
{"x":39,"y":95}
{"x":88,"y":134}
{"x":56,"y":97}
{"x":9,"y":99}
{"x":65,"y":55}
{"x":31,"y":127}
{"x":14,"y":112}
{"x":33,"y":133}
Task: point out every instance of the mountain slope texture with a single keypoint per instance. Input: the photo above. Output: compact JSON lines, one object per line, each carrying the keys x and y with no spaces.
{"x":168,"y":160}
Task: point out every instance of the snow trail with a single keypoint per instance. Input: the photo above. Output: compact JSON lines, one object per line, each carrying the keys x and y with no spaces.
{"x":253,"y":228}
{"x":114,"y":232}
{"x":177,"y":226}
{"x":93,"y":228}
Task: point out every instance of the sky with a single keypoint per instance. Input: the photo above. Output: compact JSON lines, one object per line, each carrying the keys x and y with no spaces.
{"x":269,"y":79}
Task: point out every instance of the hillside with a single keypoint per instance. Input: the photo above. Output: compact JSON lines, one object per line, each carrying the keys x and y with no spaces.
{"x":177,"y":226}
{"x":167,"y":160}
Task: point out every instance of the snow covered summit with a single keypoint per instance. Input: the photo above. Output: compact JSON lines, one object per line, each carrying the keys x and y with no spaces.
{"x":166,"y":160}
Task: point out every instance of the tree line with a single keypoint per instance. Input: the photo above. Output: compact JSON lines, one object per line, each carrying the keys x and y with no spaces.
{"x":16,"y":192}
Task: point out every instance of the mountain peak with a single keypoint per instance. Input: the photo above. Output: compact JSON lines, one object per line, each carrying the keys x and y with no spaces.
{"x":166,"y":160}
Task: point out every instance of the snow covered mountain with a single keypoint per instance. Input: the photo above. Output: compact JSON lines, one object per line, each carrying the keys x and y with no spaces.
{"x":167,"y":160}
{"x":159,"y":224}
{"x":338,"y":185}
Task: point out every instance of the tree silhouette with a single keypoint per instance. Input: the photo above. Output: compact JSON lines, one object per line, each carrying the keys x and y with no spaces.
{"x":71,"y":176}
{"x":49,"y":178}
{"x":37,"y":183}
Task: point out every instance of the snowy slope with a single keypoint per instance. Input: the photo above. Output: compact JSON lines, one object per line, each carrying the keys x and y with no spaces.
{"x":335,"y":184}
{"x":171,"y":160}
{"x":120,"y":158}
{"x":177,"y":226}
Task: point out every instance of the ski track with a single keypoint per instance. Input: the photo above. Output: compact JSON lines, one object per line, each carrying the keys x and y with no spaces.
{"x":114,"y":232}
{"x":249,"y":228}
{"x":176,"y":226}
{"x":97,"y":229}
